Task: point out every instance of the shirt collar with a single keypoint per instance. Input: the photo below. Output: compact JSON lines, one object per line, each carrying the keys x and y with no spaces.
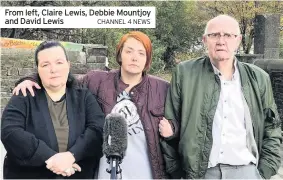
{"x":235,"y":74}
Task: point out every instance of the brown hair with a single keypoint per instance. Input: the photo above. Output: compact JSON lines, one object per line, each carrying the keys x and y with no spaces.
{"x":144,"y":39}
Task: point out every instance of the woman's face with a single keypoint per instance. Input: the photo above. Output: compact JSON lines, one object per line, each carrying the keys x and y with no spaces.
{"x":53,"y":68}
{"x":133,"y":57}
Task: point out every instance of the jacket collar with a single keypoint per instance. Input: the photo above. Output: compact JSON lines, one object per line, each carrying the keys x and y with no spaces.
{"x":240,"y":65}
{"x":71,"y":113}
{"x":72,"y":110}
{"x":121,"y":86}
{"x":43,"y":107}
{"x":243,"y":74}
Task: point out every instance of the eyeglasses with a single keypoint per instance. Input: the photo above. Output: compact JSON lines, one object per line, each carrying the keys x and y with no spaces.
{"x":227,"y":36}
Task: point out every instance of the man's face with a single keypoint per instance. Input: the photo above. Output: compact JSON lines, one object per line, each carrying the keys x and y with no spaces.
{"x":222,"y":39}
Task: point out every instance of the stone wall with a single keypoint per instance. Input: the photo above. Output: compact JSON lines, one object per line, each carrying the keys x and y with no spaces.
{"x":249,"y":58}
{"x":275,"y":70}
{"x":266,"y":35}
{"x":19,"y":62}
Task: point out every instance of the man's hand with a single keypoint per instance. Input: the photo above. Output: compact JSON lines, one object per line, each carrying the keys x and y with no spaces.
{"x":61,"y":163}
{"x":165,"y":128}
{"x":26,"y":84}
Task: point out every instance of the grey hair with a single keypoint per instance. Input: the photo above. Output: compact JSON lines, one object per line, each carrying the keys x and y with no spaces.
{"x":222,"y":16}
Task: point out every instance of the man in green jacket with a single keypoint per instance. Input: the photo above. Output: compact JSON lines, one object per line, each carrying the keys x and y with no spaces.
{"x":229,"y":127}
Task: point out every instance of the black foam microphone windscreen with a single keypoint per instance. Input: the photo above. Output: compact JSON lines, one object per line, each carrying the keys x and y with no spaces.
{"x":115,"y":135}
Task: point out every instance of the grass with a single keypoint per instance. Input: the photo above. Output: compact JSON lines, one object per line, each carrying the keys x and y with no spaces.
{"x":164,"y":75}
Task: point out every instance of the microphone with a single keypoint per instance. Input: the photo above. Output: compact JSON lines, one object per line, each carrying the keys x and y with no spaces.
{"x":115,"y":134}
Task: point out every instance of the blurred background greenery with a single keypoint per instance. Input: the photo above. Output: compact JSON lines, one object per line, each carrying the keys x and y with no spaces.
{"x":178,"y":33}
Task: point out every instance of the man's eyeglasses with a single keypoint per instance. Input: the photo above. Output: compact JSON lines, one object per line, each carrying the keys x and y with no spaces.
{"x":216,"y":36}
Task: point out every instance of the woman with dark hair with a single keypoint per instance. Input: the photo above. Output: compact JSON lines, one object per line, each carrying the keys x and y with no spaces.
{"x":140,"y":98}
{"x":56,"y":132}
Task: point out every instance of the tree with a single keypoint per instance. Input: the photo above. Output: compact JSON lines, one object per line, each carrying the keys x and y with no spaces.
{"x":244,"y":12}
{"x":176,"y":28}
{"x":179,"y":26}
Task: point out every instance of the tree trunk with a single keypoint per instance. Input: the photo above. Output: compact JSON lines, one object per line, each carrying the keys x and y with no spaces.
{"x":169,"y":57}
{"x":243,"y":31}
{"x":250,"y":42}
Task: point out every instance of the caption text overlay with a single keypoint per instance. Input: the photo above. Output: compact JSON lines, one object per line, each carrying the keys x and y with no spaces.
{"x":77,"y":17}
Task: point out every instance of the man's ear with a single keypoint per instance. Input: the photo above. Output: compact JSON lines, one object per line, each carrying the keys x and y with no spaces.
{"x":204,"y":40}
{"x":239,"y":40}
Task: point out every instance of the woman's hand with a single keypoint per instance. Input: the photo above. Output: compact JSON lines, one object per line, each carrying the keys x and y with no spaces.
{"x":62,"y":163}
{"x":165,"y":128}
{"x":23,"y":86}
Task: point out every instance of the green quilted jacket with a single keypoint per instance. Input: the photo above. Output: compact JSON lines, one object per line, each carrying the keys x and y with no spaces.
{"x":191,"y":102}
